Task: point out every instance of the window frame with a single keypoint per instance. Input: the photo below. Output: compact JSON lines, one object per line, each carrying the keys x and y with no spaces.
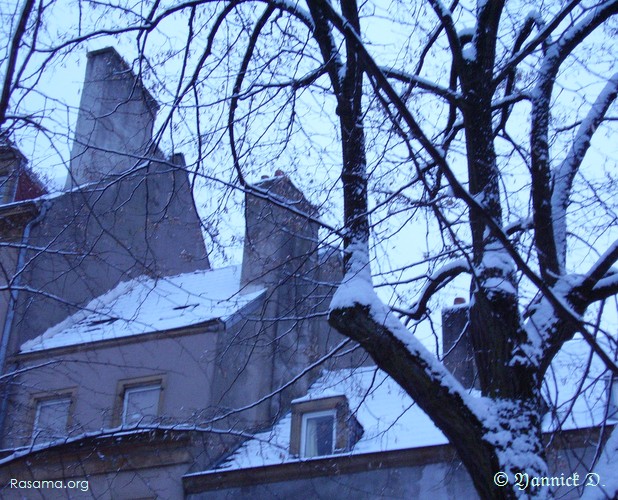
{"x":128,"y":385}
{"x":45,"y":399}
{"x":135,"y":390}
{"x":347,"y":430}
{"x":306,"y":416}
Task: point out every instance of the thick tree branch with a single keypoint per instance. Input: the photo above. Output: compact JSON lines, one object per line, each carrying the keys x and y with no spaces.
{"x":561,"y":308}
{"x":435,"y":282}
{"x":488,"y":20}
{"x":602,"y":269}
{"x":604,"y":288}
{"x":328,"y":48}
{"x":427,"y":382}
{"x":565,"y":174}
{"x":446,"y":21}
{"x":547,"y":250}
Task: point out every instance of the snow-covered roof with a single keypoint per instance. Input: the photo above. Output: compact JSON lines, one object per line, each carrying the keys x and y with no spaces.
{"x":389,"y":417}
{"x":146,"y":305}
{"x":392,"y":421}
{"x":576,"y":387}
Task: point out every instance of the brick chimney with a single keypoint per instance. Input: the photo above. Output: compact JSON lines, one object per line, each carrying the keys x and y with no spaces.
{"x":115,"y":120}
{"x":456,"y":348}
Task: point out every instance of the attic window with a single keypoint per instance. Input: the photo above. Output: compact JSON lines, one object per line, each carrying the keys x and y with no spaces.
{"x":318,"y":433}
{"x":322,"y":427}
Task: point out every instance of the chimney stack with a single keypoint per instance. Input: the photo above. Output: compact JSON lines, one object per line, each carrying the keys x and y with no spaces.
{"x":456,"y":348}
{"x":115,"y":120}
{"x":277,"y":241}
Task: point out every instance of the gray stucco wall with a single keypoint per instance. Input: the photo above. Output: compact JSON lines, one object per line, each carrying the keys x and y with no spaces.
{"x":93,"y":238}
{"x":133,"y":215}
{"x":433,"y":481}
{"x":184,"y":362}
{"x":160,"y":483}
{"x":286,"y":331}
{"x":427,"y":479}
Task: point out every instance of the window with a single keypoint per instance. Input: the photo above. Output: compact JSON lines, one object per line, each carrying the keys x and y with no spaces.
{"x":322,"y":426}
{"x":141,"y":404}
{"x":51,"y":419}
{"x":318,"y":433}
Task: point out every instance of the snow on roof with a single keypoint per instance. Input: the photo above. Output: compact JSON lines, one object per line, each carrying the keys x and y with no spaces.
{"x":389,"y":417}
{"x":392,"y":421}
{"x":576,"y":386}
{"x":146,"y":305}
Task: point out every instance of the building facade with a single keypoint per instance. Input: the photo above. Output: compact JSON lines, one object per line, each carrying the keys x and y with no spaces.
{"x":133,"y":369}
{"x":117,"y":330}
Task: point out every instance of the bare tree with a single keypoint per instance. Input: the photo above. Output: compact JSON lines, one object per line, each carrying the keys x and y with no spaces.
{"x":473,"y":123}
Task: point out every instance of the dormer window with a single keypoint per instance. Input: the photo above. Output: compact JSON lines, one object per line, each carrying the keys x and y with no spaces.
{"x":322,"y":427}
{"x":318,"y":433}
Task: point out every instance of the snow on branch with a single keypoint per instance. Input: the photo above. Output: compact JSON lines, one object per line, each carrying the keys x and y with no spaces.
{"x":605,"y":287}
{"x":357,"y":312}
{"x":435,"y":282}
{"x":574,"y":35}
{"x":601,"y":267}
{"x":565,"y":173}
{"x":557,"y":53}
{"x":448,"y":24}
{"x":381,"y":82}
{"x":520,"y":225}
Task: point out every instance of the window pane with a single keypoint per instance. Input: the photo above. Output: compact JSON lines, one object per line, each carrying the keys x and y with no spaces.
{"x":141,"y":405}
{"x":51,"y":419}
{"x":319,"y":434}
